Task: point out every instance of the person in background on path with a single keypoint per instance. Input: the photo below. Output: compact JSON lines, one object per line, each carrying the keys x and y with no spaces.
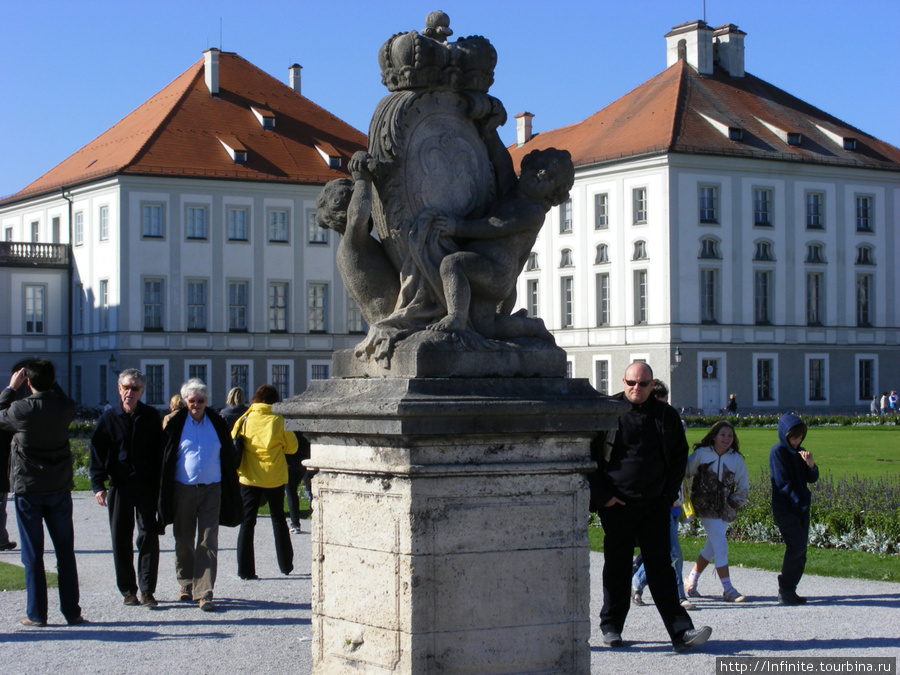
{"x":641,"y":468}
{"x":235,"y":406}
{"x":731,"y":406}
{"x":639,"y":579}
{"x":792,"y":468}
{"x":41,"y":478}
{"x":894,"y":402}
{"x":296,"y":475}
{"x":126,"y":450}
{"x":175,"y":404}
{"x":720,"y":487}
{"x":884,"y":403}
{"x":198,"y":492}
{"x":873,"y":406}
{"x":262,"y":473}
{"x":6,"y":544}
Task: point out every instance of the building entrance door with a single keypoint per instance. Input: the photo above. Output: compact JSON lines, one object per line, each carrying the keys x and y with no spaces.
{"x":710,"y":389}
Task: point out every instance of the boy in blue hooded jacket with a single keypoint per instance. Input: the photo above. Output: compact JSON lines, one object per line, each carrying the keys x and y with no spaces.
{"x":791,"y":468}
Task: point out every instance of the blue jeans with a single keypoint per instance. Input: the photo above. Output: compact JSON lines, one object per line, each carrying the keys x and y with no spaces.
{"x":55,"y":509}
{"x":639,"y":580}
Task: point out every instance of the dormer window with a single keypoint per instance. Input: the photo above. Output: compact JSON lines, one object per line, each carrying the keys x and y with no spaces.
{"x":235,"y":149}
{"x":265,"y":117}
{"x":849,"y":143}
{"x":329,"y":154}
{"x":735,"y":134}
{"x":794,"y":138}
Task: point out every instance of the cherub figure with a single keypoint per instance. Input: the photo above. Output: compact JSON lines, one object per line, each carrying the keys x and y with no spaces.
{"x":479,"y":280}
{"x":345,"y":206}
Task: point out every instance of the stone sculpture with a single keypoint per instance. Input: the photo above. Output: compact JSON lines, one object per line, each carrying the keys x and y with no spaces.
{"x":454,"y":225}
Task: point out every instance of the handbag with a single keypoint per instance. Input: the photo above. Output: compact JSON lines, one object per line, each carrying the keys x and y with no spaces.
{"x":687,"y":507}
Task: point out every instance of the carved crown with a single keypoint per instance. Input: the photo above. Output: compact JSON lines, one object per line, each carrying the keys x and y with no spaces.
{"x":414,"y":61}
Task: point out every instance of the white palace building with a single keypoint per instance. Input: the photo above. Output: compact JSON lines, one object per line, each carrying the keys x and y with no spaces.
{"x":736,"y":238}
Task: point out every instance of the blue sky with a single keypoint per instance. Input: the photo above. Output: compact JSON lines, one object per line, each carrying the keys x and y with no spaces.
{"x":70,"y":69}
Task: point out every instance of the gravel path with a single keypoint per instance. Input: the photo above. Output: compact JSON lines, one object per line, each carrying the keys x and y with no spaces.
{"x":264,"y":625}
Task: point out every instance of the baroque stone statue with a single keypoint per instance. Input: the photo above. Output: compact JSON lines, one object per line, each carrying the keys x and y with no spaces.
{"x":454,"y":224}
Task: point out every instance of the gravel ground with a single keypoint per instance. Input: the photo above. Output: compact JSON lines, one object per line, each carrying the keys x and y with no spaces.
{"x":264,"y":625}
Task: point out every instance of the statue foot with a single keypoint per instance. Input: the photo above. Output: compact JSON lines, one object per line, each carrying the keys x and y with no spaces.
{"x":448,"y":324}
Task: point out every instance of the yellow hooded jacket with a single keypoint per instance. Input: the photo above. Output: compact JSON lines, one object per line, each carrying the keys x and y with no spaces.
{"x":265,"y":444}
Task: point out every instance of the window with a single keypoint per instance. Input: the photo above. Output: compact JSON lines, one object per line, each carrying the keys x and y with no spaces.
{"x":601,"y":211}
{"x":532,"y":297}
{"x":866,"y":379}
{"x":864,"y":304}
{"x":54,"y":229}
{"x":317,"y":304}
{"x":864,"y":255}
{"x":281,"y":380}
{"x":78,"y":319}
{"x":196,"y":306}
{"x":565,"y":217}
{"x":814,"y":253}
{"x":101,"y":378}
{"x":602,"y":254}
{"x":153,"y":304}
{"x":240,"y":376}
{"x":709,"y":369}
{"x":708,"y":201}
{"x":104,"y":223}
{"x":355,"y":321}
{"x":79,"y":228}
{"x":815,"y":298}
{"x":317,"y":235}
{"x":278,"y":307}
{"x":762,"y":292}
{"x":152,"y":220}
{"x":640,"y":297}
{"x":197,"y":218}
{"x":238,"y":222}
{"x":238,"y":296}
{"x":639,"y":199}
{"x":8,"y":234}
{"x":640,"y":250}
{"x":765,"y":374}
{"x":570,"y":369}
{"x":319,"y":371}
{"x":567,"y":305}
{"x":709,"y":248}
{"x":817,"y":379}
{"x":35,"y":232}
{"x":602,"y":299}
{"x":197,"y":370}
{"x":763,"y":251}
{"x":709,"y":296}
{"x":565,"y":259}
{"x":532,"y":263}
{"x":34,"y":309}
{"x":762,"y":208}
{"x":278,"y":225}
{"x":815,"y":210}
{"x":601,"y":376}
{"x":154,"y":375}
{"x":863,"y":214}
{"x":103,"y":304}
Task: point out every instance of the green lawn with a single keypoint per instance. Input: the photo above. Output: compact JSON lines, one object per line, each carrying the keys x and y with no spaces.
{"x":864,"y":451}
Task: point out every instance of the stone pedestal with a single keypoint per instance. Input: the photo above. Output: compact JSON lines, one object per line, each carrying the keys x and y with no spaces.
{"x":450,"y":523}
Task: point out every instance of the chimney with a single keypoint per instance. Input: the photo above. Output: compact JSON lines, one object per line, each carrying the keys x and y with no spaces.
{"x":294,"y":77}
{"x":693,"y":42}
{"x":211,"y":70}
{"x":523,"y":128}
{"x":730,"y":49}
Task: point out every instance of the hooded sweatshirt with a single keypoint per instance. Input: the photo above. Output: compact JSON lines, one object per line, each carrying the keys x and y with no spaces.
{"x":790,"y":474}
{"x":721,"y":483}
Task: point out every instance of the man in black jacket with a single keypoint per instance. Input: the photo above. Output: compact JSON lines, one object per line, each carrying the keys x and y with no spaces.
{"x":41,"y":478}
{"x":126,"y":450}
{"x":641,"y":470}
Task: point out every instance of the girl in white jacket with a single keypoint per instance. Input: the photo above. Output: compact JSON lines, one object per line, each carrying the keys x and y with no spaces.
{"x":719,"y":488}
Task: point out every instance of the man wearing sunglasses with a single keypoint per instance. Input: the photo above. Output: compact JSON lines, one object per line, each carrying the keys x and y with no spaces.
{"x":126,"y":450}
{"x":641,"y":470}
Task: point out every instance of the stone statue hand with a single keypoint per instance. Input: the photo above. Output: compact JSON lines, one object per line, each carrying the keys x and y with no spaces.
{"x":445,"y":225}
{"x":361,"y":165}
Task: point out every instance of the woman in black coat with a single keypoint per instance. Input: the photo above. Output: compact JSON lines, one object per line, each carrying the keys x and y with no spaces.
{"x":198,"y":491}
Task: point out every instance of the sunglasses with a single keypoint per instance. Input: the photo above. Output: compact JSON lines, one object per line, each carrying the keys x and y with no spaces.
{"x":130,"y":387}
{"x":197,"y":401}
{"x":638,"y":383}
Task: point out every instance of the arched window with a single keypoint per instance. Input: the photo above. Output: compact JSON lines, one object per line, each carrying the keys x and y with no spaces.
{"x":815,"y":253}
{"x":532,"y":262}
{"x":763,"y":251}
{"x":565,"y":259}
{"x":864,"y":255}
{"x":602,"y":254}
{"x":640,"y":250}
{"x":709,"y":248}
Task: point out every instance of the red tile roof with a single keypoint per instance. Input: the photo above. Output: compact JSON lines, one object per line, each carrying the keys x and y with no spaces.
{"x":175,"y":134}
{"x":666,"y":114}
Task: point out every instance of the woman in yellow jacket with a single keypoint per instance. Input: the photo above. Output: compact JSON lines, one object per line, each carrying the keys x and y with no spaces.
{"x":262,"y":474}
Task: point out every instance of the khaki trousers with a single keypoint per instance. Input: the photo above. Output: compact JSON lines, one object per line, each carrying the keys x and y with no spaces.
{"x":196,"y":530}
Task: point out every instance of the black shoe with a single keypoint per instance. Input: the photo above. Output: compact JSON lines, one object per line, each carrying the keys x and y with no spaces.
{"x":8,"y":546}
{"x":77,"y":621}
{"x":131,"y":599}
{"x":790,"y":599}
{"x":249,"y":577}
{"x":612,"y":639}
{"x":692,"y":638}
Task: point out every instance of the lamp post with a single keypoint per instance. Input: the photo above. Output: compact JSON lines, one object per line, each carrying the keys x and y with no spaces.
{"x":678,"y":357}
{"x":113,"y":362}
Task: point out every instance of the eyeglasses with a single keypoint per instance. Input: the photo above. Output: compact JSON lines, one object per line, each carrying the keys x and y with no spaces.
{"x":130,"y":387}
{"x":198,"y":401}
{"x":638,"y":383}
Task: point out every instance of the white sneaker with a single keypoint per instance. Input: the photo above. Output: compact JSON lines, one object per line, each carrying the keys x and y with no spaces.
{"x":688,"y":605}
